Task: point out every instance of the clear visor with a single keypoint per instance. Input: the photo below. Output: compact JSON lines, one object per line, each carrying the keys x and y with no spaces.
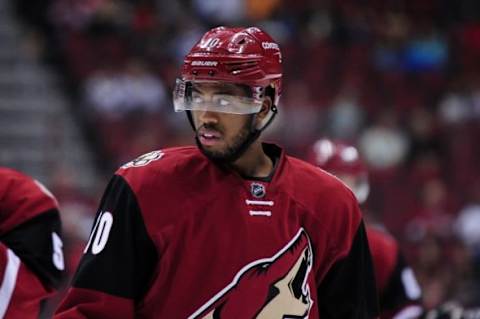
{"x":217,"y":97}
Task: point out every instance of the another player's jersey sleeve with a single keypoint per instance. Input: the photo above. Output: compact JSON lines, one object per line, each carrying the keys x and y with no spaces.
{"x":118,"y":263}
{"x":21,"y":290}
{"x":31,"y":254}
{"x":348,"y":289}
{"x":402,"y":296}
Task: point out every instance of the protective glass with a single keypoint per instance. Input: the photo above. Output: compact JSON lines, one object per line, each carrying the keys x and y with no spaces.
{"x":217,"y":96}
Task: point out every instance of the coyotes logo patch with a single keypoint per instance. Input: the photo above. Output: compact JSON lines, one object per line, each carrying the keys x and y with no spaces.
{"x":144,"y":159}
{"x":275,"y":287}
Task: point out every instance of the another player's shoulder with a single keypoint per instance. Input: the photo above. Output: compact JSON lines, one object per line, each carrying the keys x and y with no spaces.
{"x":381,"y":240}
{"x":22,"y":198}
{"x":9,"y":176}
{"x":165,"y":165}
{"x":312,"y":180}
{"x":385,"y":252}
{"x":10,"y":183}
{"x":17,"y":185}
{"x":328,"y":202}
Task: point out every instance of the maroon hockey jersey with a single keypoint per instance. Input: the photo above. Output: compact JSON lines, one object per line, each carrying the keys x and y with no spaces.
{"x":31,"y":256}
{"x":177,"y":236}
{"x":399,"y":293}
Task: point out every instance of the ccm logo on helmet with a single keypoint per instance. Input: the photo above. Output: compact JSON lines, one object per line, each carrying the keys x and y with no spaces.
{"x":204,"y":63}
{"x":270,"y":45}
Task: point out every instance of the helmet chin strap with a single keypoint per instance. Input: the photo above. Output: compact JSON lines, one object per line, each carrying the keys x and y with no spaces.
{"x":252,"y":137}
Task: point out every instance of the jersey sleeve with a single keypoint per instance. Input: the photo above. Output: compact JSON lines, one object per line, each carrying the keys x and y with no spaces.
{"x":31,"y":252}
{"x":118,"y":262}
{"x":21,"y":290}
{"x":348,"y":289}
{"x":402,"y":296}
{"x":38,"y":244}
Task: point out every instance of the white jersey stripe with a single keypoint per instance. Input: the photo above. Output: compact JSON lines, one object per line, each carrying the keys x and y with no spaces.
{"x":8,"y":283}
{"x":410,"y":312}
{"x":260,"y":213}
{"x":259,"y":202}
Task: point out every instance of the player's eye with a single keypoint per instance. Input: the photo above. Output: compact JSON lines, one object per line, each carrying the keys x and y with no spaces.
{"x":223,"y":102}
{"x":197,"y":99}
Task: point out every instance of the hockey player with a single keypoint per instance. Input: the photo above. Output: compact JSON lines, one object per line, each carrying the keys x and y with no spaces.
{"x":399,"y":292}
{"x":232,"y":228}
{"x":31,"y":254}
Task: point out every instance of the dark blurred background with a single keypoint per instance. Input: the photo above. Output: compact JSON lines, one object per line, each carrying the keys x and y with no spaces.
{"x":85,"y":86}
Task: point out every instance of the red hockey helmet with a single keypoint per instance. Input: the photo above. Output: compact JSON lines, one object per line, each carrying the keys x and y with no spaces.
{"x":342,"y":160}
{"x":234,"y":56}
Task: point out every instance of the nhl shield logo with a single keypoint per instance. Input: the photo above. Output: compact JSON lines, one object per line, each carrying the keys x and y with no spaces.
{"x":257,"y":190}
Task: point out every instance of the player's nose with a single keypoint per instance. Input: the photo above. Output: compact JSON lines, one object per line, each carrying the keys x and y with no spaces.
{"x":208,"y":117}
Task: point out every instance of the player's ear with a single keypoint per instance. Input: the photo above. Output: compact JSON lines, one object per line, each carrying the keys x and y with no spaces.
{"x":266,"y":106}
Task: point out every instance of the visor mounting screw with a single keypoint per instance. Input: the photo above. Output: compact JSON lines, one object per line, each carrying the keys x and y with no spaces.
{"x":194,"y":72}
{"x":211,"y":72}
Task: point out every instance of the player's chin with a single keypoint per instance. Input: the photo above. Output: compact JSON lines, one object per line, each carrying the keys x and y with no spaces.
{"x":216,"y":153}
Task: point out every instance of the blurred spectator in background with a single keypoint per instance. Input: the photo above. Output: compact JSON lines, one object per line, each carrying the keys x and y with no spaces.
{"x":346,"y":115}
{"x":118,"y":93}
{"x":383,"y":143}
{"x":467,"y":228}
{"x":216,"y":12}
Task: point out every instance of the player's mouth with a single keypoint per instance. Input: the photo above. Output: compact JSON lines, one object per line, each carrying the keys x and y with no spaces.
{"x":209,"y":137}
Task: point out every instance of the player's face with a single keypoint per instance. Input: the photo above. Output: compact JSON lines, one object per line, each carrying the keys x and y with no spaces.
{"x":220,"y":135}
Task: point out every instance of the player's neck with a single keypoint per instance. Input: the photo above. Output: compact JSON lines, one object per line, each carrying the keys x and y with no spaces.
{"x":254,"y":162}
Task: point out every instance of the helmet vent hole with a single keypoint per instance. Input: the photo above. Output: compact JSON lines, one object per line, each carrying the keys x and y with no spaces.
{"x":244,"y":66}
